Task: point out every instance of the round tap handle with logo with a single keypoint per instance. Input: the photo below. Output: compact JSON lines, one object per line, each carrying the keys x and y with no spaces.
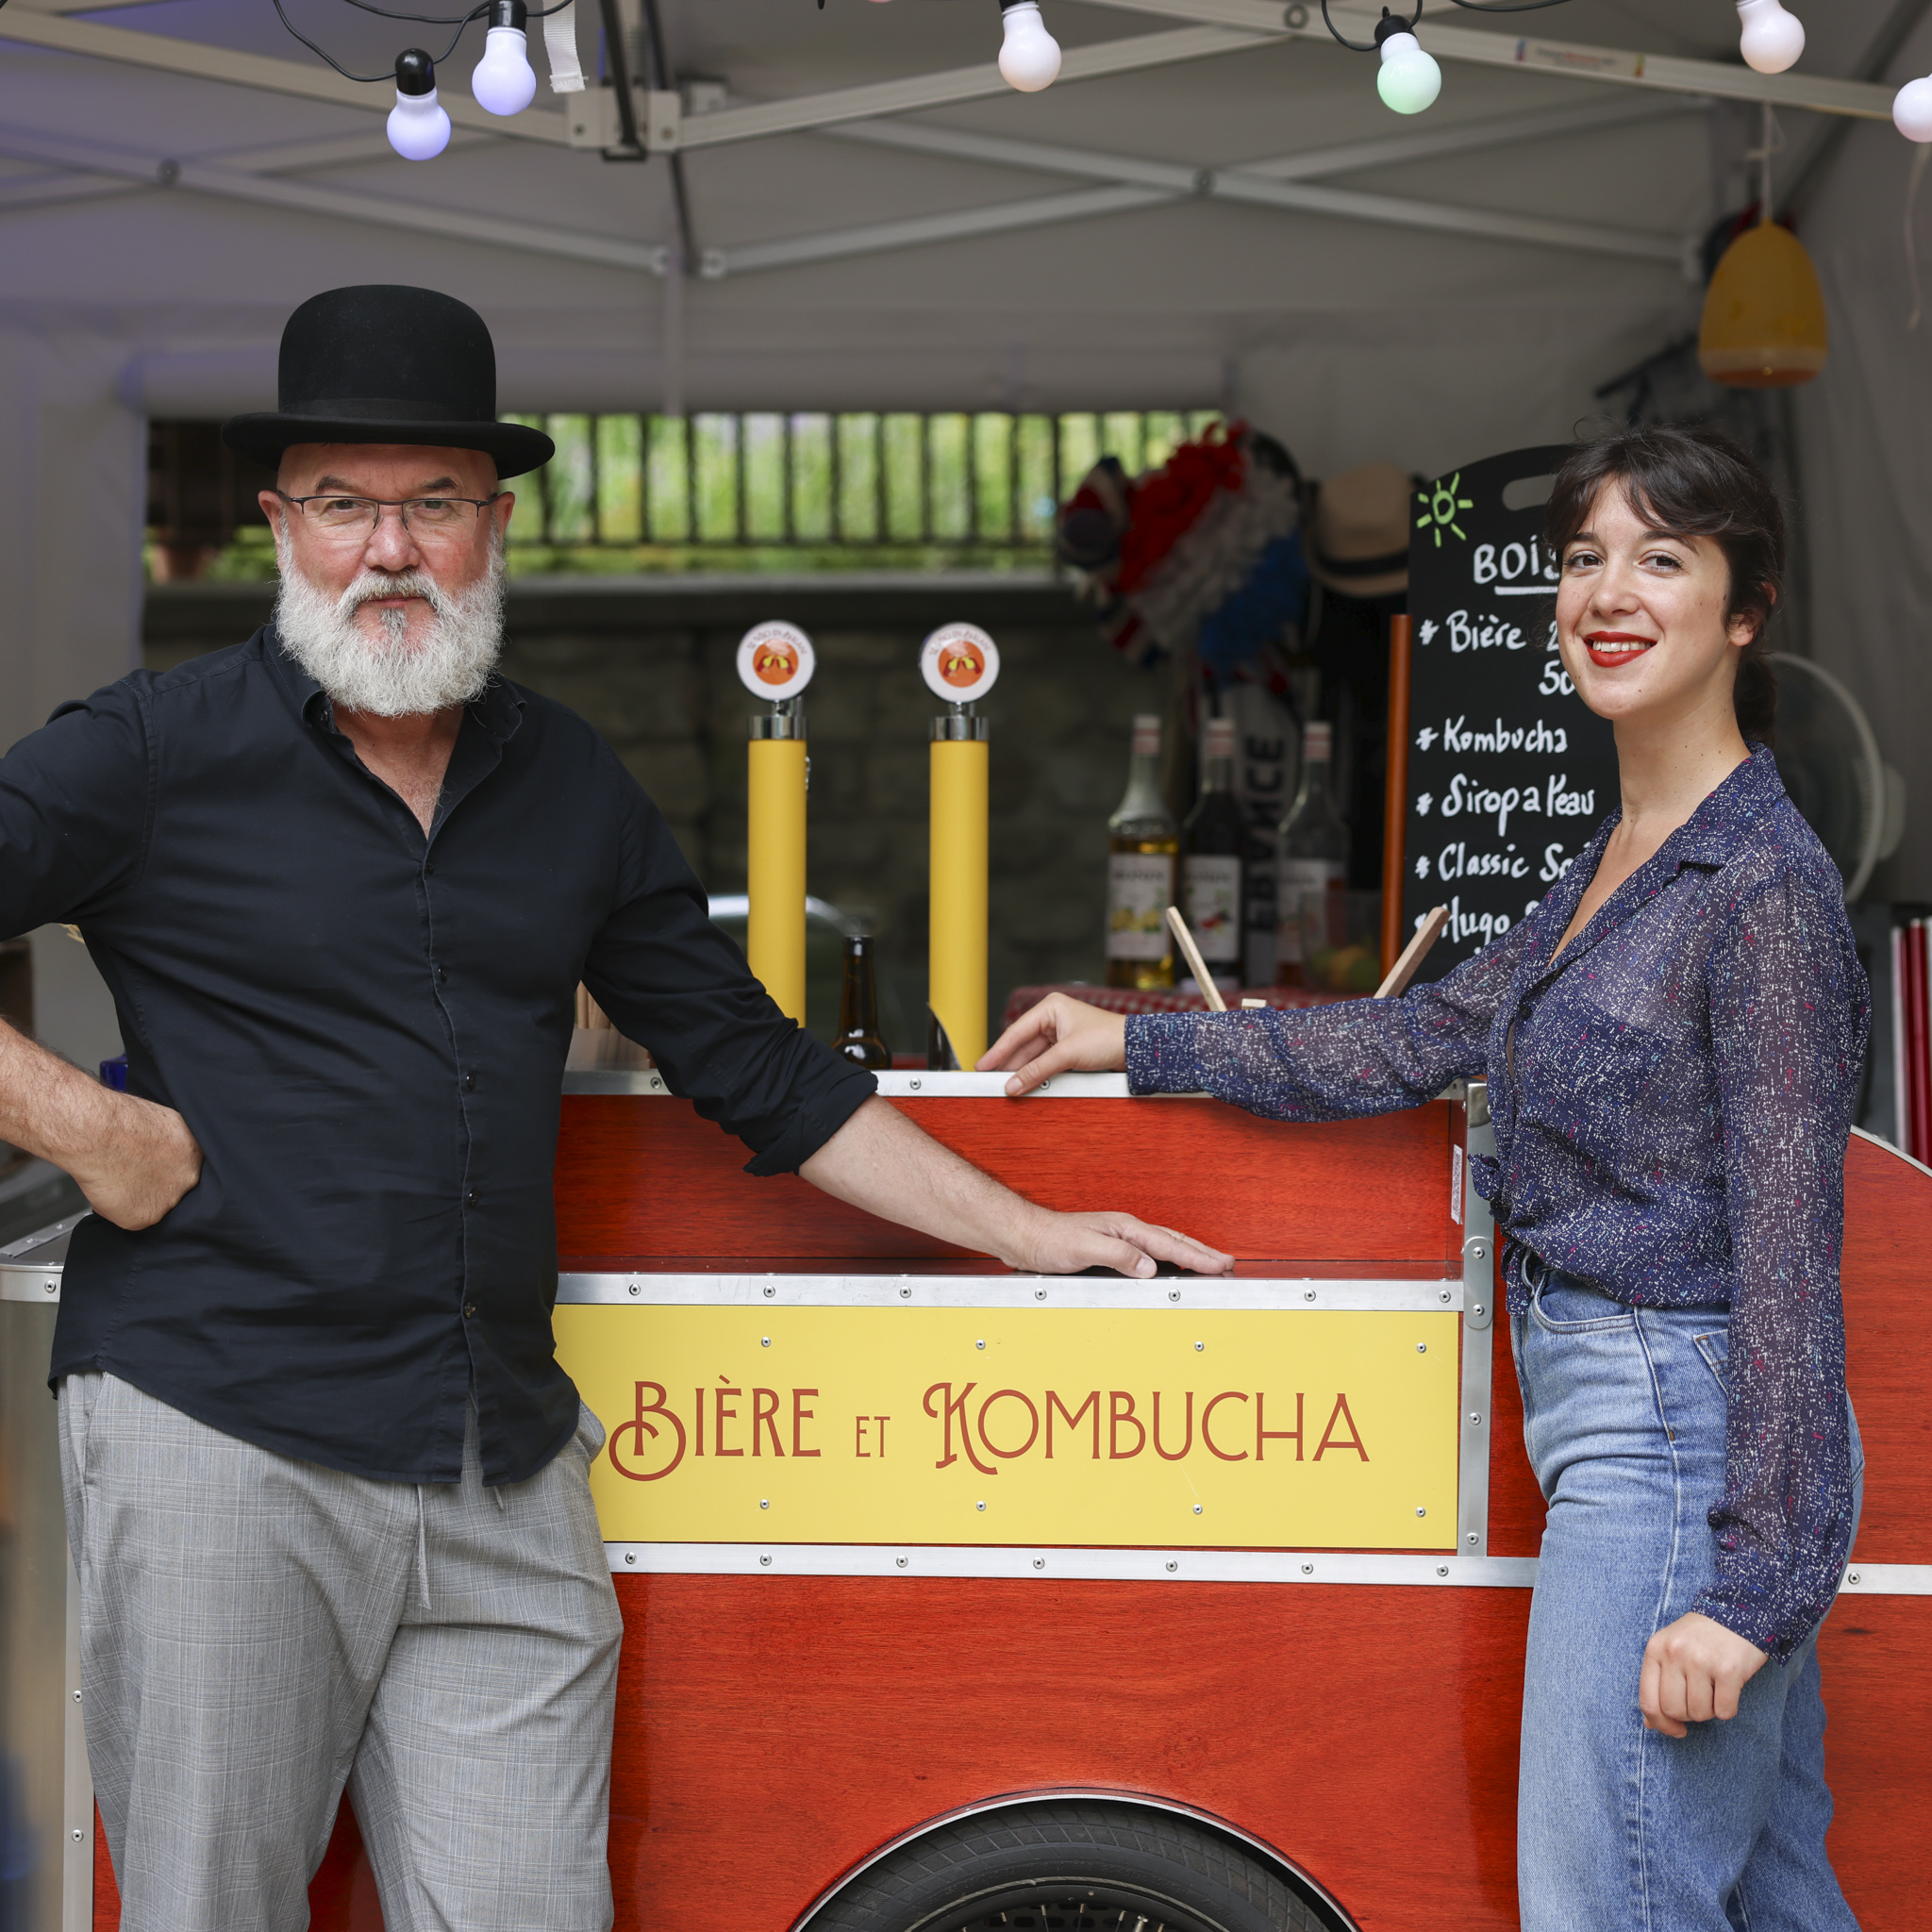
{"x":776,"y":661}
{"x":960,"y":663}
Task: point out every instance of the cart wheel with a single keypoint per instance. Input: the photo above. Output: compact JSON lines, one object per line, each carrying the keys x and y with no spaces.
{"x":1069,"y":1866}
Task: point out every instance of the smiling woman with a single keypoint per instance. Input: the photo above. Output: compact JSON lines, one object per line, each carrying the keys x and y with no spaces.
{"x":1672,"y":551}
{"x":1672,"y":1038}
{"x":1709,"y":510}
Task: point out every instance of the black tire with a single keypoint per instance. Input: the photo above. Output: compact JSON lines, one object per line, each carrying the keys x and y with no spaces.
{"x":1069,"y":1865}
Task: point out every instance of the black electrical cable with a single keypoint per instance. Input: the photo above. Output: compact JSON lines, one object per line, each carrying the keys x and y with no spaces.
{"x":1467,"y":6}
{"x":369,"y":79}
{"x":460,"y":22}
{"x":450,"y":19}
{"x":1353,"y":47}
{"x":427,"y":19}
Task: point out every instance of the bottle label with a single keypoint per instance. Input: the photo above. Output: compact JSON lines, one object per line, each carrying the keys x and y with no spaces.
{"x":1295,"y":878}
{"x":1140,"y":888}
{"x":1214,"y":907}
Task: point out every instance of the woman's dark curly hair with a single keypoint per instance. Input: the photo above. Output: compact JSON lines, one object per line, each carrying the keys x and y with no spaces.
{"x":1696,"y":482}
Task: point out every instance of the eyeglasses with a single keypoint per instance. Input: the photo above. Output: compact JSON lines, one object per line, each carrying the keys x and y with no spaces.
{"x":445,"y":519}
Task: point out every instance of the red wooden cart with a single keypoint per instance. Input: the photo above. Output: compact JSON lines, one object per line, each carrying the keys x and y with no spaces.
{"x":1034,"y":1688}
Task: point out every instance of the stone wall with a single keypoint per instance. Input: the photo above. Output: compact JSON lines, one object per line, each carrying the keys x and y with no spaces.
{"x":650,"y":663}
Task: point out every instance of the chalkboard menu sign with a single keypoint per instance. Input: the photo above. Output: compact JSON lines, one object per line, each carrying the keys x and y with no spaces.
{"x":1509,"y":775}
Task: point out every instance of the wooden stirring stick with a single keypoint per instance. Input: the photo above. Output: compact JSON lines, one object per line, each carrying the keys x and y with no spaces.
{"x":1203,"y":978}
{"x":1404,"y":970}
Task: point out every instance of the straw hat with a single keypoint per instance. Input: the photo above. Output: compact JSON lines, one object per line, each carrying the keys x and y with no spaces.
{"x":1361,"y":531}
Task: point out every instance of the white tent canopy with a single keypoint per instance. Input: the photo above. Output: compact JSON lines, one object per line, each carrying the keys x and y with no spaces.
{"x":1210,"y":207}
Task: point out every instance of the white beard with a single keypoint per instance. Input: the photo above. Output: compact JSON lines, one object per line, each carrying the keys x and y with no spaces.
{"x":388,"y":676}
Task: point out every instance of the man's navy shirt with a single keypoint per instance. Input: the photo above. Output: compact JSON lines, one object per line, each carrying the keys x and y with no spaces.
{"x":366,"y":1029}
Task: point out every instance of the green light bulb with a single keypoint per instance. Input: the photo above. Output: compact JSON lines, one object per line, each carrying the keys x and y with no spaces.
{"x":1408,"y":80}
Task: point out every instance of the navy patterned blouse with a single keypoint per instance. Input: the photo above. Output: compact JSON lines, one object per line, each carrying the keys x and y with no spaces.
{"x":1672,"y":1107}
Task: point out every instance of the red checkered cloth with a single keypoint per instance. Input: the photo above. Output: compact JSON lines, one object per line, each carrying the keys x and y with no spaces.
{"x":1124,"y":999}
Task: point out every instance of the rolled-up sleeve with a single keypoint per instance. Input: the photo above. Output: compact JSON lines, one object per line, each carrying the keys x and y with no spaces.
{"x":671,"y":980}
{"x":1334,"y":1062}
{"x":76,"y":810}
{"x":1789,"y":1014}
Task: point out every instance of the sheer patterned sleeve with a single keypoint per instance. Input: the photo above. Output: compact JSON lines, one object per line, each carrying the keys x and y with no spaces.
{"x":1318,"y":1063}
{"x":1790,"y":1011}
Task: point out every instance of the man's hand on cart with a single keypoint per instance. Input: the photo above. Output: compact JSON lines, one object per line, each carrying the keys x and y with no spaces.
{"x":1060,"y":1035}
{"x":1692,"y":1672}
{"x":879,"y":1162}
{"x":131,"y":1158}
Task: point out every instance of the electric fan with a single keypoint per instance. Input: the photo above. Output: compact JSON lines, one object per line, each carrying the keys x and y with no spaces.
{"x":1829,"y":761}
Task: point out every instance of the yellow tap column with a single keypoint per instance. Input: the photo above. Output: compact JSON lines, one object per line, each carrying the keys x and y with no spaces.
{"x":960,"y":663}
{"x":776,"y":661}
{"x":774,"y":866}
{"x":956,"y":929}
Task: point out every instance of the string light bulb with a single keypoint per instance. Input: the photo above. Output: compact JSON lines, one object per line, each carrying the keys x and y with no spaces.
{"x":1771,"y":40}
{"x":418,"y":127}
{"x":1408,"y":80}
{"x":1912,"y":109}
{"x":504,"y":82}
{"x":1029,"y":56}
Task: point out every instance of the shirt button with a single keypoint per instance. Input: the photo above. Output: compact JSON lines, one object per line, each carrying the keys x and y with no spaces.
{"x":469,"y":1083}
{"x":472,"y":1198}
{"x":469,"y":1311}
{"x":443,"y":975}
{"x":427,"y":869}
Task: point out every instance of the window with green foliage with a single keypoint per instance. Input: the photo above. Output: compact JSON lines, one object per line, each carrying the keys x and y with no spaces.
{"x":733,"y":491}
{"x":752,"y":491}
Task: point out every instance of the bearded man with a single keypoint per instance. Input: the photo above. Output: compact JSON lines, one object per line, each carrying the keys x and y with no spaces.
{"x":327,"y":1487}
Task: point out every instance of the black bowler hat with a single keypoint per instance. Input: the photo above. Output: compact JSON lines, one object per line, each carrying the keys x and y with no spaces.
{"x":382,"y":363}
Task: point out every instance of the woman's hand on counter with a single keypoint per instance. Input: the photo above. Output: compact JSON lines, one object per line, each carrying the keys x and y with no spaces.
{"x":1060,"y":1035}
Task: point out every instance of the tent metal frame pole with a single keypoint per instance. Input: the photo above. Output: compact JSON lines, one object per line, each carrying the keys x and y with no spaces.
{"x":1307,"y":198}
{"x":1532,"y":53}
{"x":1416,"y":144}
{"x":448,"y":223}
{"x":807,"y":111}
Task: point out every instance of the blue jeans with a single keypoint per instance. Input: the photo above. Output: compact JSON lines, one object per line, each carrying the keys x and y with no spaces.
{"x":1621,"y":1830}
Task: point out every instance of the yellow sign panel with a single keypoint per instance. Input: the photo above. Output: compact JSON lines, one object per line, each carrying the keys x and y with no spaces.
{"x":1226,"y":1429}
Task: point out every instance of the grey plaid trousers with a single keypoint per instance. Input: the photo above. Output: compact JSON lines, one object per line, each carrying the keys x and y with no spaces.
{"x":258,"y":1632}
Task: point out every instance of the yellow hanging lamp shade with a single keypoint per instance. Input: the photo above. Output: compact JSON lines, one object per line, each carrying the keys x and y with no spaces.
{"x":1764,"y":314}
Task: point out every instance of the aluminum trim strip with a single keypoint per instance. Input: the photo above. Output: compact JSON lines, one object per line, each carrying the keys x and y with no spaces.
{"x":948,"y":1560}
{"x":1191,"y":1293}
{"x":905,"y":1085}
{"x":1886,"y":1579}
{"x":40,"y":1285}
{"x":78,"y":1786}
{"x":1478,"y":1345}
{"x":1063,"y":1565}
{"x":17,"y":1251}
{"x":901,"y":1084}
{"x":615,"y":1080}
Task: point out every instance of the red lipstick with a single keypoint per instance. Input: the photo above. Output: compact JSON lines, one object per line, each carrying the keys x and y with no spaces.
{"x":1611,"y":648}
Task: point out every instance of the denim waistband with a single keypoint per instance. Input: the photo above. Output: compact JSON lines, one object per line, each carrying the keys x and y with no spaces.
{"x":1531,"y":1270}
{"x":1535,"y":1273}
